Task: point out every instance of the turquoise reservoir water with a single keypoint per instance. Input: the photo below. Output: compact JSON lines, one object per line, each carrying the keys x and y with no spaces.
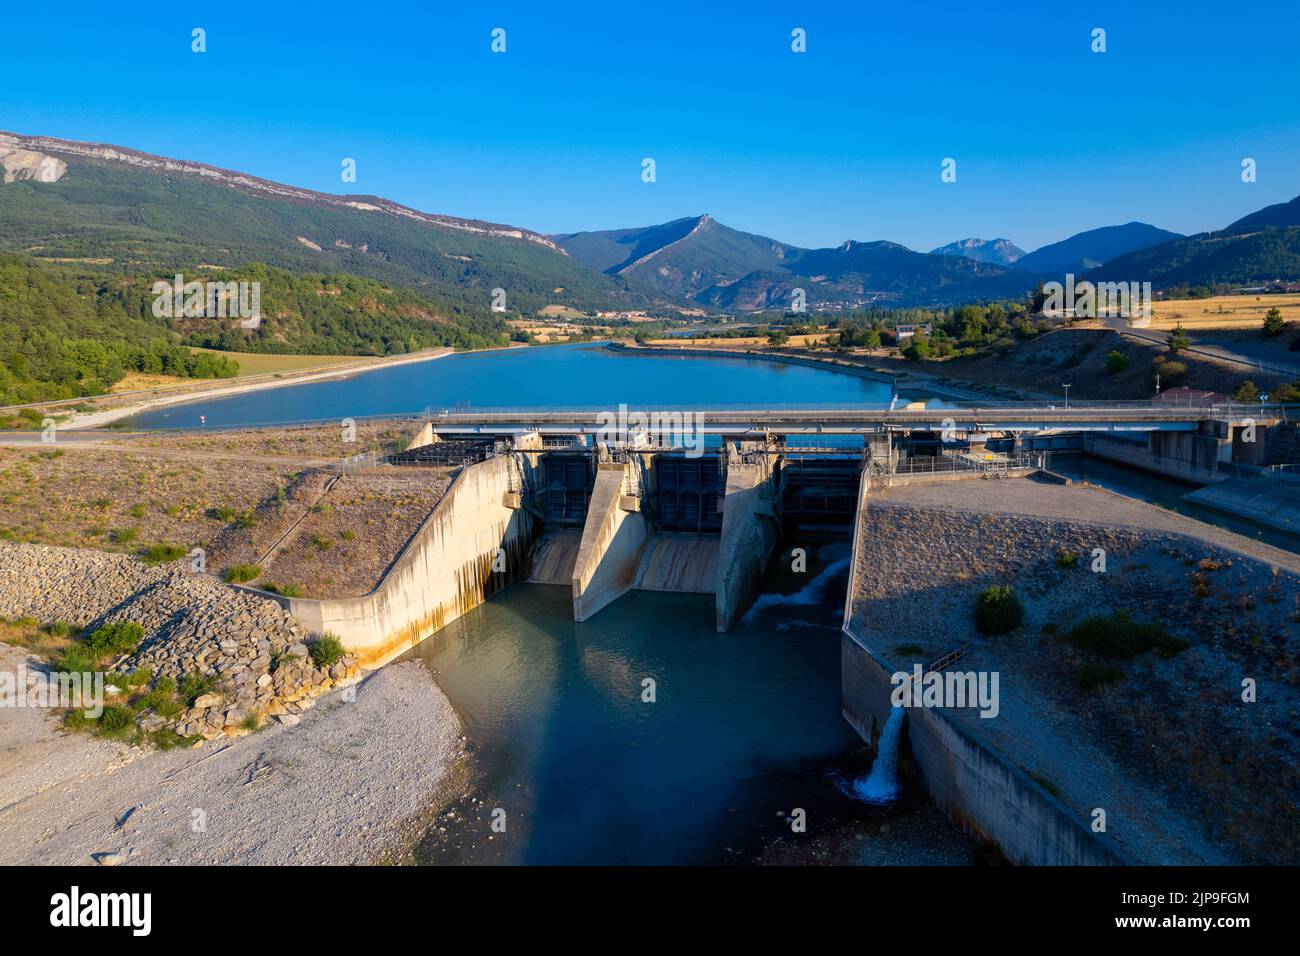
{"x":585,"y":374}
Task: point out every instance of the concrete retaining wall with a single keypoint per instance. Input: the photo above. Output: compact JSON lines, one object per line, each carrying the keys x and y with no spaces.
{"x":1187,"y":456}
{"x":977,"y":786}
{"x":445,"y":570}
{"x":613,"y":540}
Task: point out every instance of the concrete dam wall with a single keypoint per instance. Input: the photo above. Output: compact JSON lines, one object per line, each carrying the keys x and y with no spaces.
{"x":474,"y":543}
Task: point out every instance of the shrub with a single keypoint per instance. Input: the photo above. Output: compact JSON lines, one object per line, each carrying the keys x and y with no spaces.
{"x":246,"y":520}
{"x":120,"y":637}
{"x":909,"y":649}
{"x":1178,"y":339}
{"x":162,"y":553}
{"x":322,"y":543}
{"x":241,"y":573}
{"x":1092,"y":675}
{"x":1066,"y":559}
{"x":1116,"y":362}
{"x":75,"y":720}
{"x":124,"y":535}
{"x":347,"y":534}
{"x":115,"y":721}
{"x":164,"y":738}
{"x":326,"y":650}
{"x":57,"y":628}
{"x":1171,"y":373}
{"x":221,"y":513}
{"x":136,"y":511}
{"x":1119,"y":637}
{"x":76,"y":659}
{"x":251,"y":722}
{"x":195,"y":685}
{"x":161,"y":700}
{"x":286,"y":590}
{"x":998,"y":610}
{"x":137,"y":678}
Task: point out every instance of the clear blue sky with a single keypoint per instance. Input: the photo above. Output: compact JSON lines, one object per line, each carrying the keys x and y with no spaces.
{"x":844,"y":141}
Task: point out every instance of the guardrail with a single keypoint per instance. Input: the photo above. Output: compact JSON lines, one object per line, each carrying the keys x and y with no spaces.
{"x":617,"y":413}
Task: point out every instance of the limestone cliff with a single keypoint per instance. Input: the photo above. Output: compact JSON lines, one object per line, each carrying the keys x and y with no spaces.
{"x":18,"y":163}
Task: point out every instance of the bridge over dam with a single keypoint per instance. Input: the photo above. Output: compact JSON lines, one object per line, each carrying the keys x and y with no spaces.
{"x":697,"y":500}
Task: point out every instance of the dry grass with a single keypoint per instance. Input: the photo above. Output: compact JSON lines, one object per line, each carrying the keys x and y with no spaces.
{"x":29,"y":635}
{"x":1223,"y":311}
{"x":91,"y":497}
{"x":346,"y":539}
{"x":309,"y":442}
{"x":135,"y":381}
{"x":261,"y":363}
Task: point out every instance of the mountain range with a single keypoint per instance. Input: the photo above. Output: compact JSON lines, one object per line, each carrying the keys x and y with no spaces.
{"x":89,"y":208}
{"x":1003,"y":252}
{"x":705,"y":262}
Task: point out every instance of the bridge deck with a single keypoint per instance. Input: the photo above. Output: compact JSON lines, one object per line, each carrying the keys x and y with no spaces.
{"x":1107,"y":416}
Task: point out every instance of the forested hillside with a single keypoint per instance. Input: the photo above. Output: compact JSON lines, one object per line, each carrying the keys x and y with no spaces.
{"x":61,"y":341}
{"x":64,"y":334}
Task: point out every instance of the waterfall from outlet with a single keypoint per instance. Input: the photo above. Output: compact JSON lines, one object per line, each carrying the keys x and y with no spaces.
{"x":814,"y":592}
{"x":881,"y":784}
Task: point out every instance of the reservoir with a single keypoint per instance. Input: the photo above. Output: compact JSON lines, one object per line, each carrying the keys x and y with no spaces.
{"x":557,"y":375}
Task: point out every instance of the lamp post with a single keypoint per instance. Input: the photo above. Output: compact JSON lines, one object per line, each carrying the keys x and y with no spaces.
{"x":1066,"y":386}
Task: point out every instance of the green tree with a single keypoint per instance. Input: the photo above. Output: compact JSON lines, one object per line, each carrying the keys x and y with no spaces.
{"x":1116,"y":362}
{"x":918,"y":348}
{"x":1246,"y":392}
{"x":1178,"y":339}
{"x":1273,"y":324}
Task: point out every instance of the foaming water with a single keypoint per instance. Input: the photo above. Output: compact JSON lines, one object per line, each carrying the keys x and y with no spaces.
{"x":815,"y":592}
{"x":881,"y":785}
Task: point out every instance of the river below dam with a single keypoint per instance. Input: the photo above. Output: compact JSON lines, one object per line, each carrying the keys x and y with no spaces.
{"x":744,"y":728}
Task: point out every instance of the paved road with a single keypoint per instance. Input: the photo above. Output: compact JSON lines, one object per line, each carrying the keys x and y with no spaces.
{"x":1218,"y":351}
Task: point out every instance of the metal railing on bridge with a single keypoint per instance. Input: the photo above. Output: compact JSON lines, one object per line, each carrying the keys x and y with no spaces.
{"x":990,"y":465}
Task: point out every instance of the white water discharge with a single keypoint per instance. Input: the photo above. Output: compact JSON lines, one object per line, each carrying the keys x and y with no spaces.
{"x":881,"y":784}
{"x":814,"y":592}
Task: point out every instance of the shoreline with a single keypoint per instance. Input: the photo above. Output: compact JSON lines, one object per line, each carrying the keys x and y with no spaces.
{"x":98,"y":419}
{"x":350,"y":784}
{"x":907,"y":381}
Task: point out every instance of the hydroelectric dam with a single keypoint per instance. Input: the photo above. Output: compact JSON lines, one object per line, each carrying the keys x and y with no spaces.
{"x":695,"y":499}
{"x":698,"y":500}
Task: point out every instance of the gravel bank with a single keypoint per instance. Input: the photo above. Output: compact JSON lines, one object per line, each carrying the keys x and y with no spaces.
{"x":1186,"y":771}
{"x":341,"y":787}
